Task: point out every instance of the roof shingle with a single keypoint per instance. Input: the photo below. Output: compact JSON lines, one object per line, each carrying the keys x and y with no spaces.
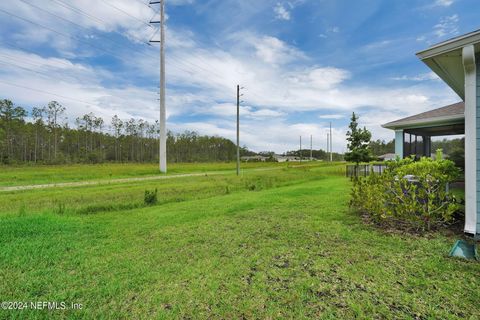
{"x":456,"y":109}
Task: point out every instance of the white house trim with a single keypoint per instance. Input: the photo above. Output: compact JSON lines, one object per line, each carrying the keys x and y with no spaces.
{"x":469,"y":65}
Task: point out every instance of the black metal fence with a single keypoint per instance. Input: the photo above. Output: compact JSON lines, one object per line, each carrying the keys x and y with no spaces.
{"x":363,"y":170}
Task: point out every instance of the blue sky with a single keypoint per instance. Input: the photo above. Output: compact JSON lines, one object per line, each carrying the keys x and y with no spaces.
{"x":302,"y":63}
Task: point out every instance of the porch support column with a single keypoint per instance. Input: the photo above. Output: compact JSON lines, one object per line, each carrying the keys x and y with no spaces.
{"x":427,"y":146}
{"x":471,"y":148}
{"x":399,"y":136}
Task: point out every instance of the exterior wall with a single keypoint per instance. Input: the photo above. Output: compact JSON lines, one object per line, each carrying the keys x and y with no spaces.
{"x":477,"y":103}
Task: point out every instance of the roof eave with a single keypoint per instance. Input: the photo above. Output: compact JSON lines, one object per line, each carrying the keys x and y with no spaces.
{"x":438,"y":121}
{"x":449,"y":79}
{"x":430,"y":55}
{"x":450,"y":45}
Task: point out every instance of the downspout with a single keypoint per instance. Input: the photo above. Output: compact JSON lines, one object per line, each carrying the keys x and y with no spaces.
{"x":471,"y":177}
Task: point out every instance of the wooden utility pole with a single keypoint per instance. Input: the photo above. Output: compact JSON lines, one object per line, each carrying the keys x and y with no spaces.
{"x":301,"y":156}
{"x":328,"y":144}
{"x":331,"y":147}
{"x":311,"y":147}
{"x":238,"y":130}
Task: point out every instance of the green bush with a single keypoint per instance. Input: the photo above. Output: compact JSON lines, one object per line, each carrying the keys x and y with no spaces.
{"x":409,"y":192}
{"x":150,"y":198}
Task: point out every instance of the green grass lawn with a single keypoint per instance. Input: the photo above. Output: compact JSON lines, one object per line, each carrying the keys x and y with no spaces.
{"x":287,"y":248}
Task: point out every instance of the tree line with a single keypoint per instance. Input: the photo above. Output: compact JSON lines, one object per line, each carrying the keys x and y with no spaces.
{"x":316,"y":154}
{"x":44,"y":135}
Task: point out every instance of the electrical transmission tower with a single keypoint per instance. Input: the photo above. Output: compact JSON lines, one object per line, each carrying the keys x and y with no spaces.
{"x":163,"y":128}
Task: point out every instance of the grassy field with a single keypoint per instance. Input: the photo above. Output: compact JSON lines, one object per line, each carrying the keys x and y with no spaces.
{"x":29,"y":175}
{"x":270,"y":244}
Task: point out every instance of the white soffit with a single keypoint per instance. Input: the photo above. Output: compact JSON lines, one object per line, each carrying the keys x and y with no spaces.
{"x":445,"y":59}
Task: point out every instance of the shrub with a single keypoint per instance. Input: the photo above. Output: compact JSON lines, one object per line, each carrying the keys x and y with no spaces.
{"x":94,"y":157}
{"x":150,"y":197}
{"x":408,"y":192}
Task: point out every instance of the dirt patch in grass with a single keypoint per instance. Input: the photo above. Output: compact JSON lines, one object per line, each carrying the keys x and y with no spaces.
{"x":398,"y":227}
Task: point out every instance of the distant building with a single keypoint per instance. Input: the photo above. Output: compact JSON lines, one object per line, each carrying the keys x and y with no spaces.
{"x":281,"y":158}
{"x":388,"y":157}
{"x":254,"y":159}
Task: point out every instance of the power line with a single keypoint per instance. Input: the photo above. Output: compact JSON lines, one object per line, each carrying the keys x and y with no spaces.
{"x":145,"y":4}
{"x":94,"y":18}
{"x":126,"y":13}
{"x":7,"y":63}
{"x":78,"y":25}
{"x":64,"y":19}
{"x":58,"y":32}
{"x":80,"y":11}
{"x":99,"y":48}
{"x":9,"y":44}
{"x":71,"y":37}
{"x":182,"y":62}
{"x":46,"y":92}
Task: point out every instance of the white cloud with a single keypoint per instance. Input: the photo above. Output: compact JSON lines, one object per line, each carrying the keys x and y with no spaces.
{"x":329,"y":31}
{"x":448,"y":26}
{"x":229,"y":110}
{"x":274,"y":51}
{"x":334,"y":29}
{"x":278,"y":136}
{"x":420,"y":77}
{"x":180,"y":2}
{"x":332,"y":116}
{"x":378,"y":45}
{"x":444,"y":3}
{"x":281,"y":12}
{"x":321,"y":78}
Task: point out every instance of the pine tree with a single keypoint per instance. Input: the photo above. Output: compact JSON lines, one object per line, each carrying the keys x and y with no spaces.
{"x":358,"y":142}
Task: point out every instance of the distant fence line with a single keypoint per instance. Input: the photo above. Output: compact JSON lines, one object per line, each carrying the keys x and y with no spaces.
{"x":363,"y":170}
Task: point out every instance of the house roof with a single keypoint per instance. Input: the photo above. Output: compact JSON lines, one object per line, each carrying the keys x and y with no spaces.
{"x":445,"y":59}
{"x":451,"y":114}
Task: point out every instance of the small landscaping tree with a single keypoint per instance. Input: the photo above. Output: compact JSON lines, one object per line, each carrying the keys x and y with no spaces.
{"x":358,"y":142}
